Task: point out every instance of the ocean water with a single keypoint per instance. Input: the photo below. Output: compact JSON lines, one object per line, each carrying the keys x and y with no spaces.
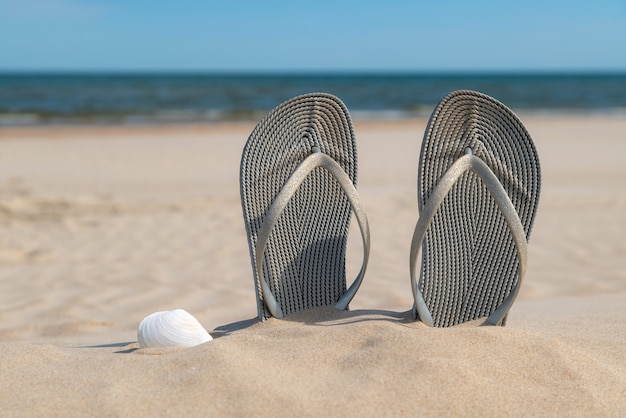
{"x":40,"y":99}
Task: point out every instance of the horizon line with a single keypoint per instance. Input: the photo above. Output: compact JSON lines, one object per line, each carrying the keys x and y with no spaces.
{"x":319,"y":72}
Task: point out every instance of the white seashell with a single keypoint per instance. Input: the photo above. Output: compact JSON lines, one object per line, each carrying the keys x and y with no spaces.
{"x":177,"y":328}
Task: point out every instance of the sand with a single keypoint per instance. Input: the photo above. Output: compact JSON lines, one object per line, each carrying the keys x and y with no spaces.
{"x":101,"y":226}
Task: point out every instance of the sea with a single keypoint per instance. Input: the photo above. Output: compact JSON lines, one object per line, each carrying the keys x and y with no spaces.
{"x":30,"y":99}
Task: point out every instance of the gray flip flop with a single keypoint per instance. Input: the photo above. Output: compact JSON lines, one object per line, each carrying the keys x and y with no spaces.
{"x":298,"y":176}
{"x":478,"y":189}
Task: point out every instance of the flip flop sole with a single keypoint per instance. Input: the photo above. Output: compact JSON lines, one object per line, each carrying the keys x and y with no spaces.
{"x":304,"y":258}
{"x":469,"y":258}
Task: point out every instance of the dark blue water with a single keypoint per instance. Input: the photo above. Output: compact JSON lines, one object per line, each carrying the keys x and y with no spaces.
{"x":35,"y":99}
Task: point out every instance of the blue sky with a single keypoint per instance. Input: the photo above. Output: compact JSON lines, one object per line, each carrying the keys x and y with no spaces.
{"x":322,"y":35}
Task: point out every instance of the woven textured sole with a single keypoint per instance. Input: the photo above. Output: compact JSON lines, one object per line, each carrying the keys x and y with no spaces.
{"x":304,"y":259}
{"x":469,"y":259}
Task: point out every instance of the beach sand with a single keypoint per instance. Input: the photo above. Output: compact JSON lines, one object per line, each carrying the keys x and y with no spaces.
{"x":101,"y":226}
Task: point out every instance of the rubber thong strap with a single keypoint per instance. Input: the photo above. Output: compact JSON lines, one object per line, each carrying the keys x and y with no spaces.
{"x":316,"y":159}
{"x":468,"y":162}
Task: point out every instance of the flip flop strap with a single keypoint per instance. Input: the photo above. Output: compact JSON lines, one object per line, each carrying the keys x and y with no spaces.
{"x":316,"y":159}
{"x":466,"y":163}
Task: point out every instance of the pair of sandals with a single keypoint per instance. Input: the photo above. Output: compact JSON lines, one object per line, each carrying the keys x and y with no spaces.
{"x":478,"y":188}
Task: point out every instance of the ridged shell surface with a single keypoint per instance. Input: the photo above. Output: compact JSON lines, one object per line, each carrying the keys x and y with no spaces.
{"x":176,"y":328}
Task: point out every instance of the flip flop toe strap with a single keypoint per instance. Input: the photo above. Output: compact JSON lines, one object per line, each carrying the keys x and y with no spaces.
{"x":474,"y":164}
{"x":313,"y":161}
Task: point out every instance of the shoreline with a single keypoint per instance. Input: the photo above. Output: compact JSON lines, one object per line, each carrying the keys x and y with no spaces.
{"x":358,"y":116}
